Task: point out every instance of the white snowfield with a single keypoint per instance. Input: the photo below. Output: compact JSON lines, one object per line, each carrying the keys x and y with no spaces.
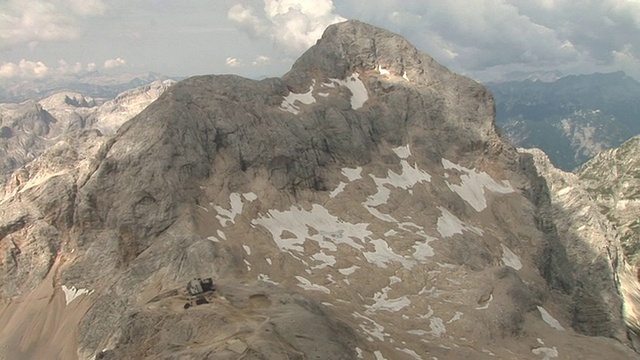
{"x":449,"y":225}
{"x":72,"y":293}
{"x":289,"y":101}
{"x":474,"y":184}
{"x":351,"y":175}
{"x":229,"y":216}
{"x":359,"y":95}
{"x":510,"y":259}
{"x":407,"y":179}
{"x":318,"y":238}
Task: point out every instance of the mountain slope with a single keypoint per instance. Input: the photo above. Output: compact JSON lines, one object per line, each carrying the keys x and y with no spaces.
{"x":27,"y":129}
{"x":571,"y":119}
{"x":362,"y":206}
{"x":598,"y":207}
{"x":613,"y":180}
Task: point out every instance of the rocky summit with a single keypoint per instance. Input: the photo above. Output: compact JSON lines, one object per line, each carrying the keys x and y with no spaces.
{"x":362,"y":206}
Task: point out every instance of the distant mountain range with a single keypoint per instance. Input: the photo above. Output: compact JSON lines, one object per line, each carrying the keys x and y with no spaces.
{"x":571,"y":119}
{"x":93,"y":84}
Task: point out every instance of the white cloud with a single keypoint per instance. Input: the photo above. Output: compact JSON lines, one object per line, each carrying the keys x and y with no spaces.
{"x":261,"y":59}
{"x":233,"y":62}
{"x":28,"y":69}
{"x":31,"y":21}
{"x":24,"y":69}
{"x":489,"y":36}
{"x":86,"y":7}
{"x":293,"y":25}
{"x":65,"y":68}
{"x":114,"y":63}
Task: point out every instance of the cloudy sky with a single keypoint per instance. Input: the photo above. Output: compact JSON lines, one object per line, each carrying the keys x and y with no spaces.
{"x":484,"y":39}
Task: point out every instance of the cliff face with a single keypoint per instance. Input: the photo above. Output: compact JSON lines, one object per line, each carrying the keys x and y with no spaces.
{"x":612,"y":180}
{"x":361,"y":206}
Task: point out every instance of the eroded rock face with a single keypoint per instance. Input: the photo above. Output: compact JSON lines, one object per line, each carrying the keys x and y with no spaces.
{"x":591,"y":247}
{"x":27,"y":129}
{"x":613,"y":180}
{"x":361,"y":206}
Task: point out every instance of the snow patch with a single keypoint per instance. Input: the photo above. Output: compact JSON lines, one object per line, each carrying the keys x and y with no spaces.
{"x":338,"y":190}
{"x":331,"y":231}
{"x":72,"y":293}
{"x":510,"y":259}
{"x":250,"y":197}
{"x":383,"y":255}
{"x":449,"y":224}
{"x":376,"y":330}
{"x":379,"y":355}
{"x":352,"y":174}
{"x":410,"y":353}
{"x":457,"y":316}
{"x":247,"y":249}
{"x":289,"y":101}
{"x":359,"y":93}
{"x":403,"y":152}
{"x":550,"y":320}
{"x":390,"y":233}
{"x":474,"y":184}
{"x":383,"y":71}
{"x":382,"y":302}
{"x":348,"y":271}
{"x":408,"y":178}
{"x":265,"y":278}
{"x":307,"y":285}
{"x":549,"y":353}
{"x":221,"y":235}
{"x":422,"y":250}
{"x":326,"y":260}
{"x":437,"y":327}
{"x":228,"y":216}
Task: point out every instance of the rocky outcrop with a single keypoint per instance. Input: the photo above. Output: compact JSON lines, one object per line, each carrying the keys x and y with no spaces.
{"x":581,"y":242}
{"x":612,"y":180}
{"x":27,"y":129}
{"x":361,"y":206}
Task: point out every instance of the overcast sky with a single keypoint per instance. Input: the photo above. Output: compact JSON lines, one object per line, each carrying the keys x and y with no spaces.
{"x":484,"y":39}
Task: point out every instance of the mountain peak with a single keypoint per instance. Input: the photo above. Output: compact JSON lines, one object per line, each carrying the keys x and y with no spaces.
{"x":353,"y":46}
